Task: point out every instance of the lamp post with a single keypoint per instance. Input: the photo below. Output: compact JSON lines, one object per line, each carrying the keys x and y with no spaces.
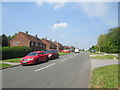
{"x":57,"y":35}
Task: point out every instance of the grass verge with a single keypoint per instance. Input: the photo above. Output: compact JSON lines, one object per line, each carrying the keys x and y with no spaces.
{"x":61,"y":53}
{"x":3,"y":65}
{"x":94,"y":53}
{"x":104,"y":57}
{"x":14,"y":60}
{"x":105,"y":77}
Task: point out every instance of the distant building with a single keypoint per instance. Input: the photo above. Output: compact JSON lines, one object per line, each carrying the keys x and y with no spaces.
{"x":72,"y":48}
{"x":24,"y":39}
{"x":49,"y":44}
{"x":66,"y":47}
{"x":60,"y":46}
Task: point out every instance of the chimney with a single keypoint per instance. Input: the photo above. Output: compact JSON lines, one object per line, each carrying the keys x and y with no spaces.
{"x":36,"y":36}
{"x":46,"y":38}
{"x":51,"y":40}
{"x":26,"y":32}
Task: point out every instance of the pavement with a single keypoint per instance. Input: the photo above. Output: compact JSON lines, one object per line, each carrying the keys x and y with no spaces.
{"x":10,"y":63}
{"x":69,"y":71}
{"x":95,"y":63}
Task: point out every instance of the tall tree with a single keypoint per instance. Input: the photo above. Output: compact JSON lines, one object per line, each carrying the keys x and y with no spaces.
{"x":4,"y":40}
{"x":110,"y":42}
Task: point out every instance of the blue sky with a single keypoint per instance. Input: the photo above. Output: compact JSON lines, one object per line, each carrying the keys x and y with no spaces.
{"x":78,"y":22}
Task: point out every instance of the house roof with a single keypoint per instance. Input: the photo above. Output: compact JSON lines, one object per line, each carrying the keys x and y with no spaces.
{"x":32,"y":38}
{"x":58,"y":43}
{"x":49,"y":42}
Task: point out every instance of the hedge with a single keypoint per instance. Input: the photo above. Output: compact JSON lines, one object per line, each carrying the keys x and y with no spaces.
{"x":15,"y":52}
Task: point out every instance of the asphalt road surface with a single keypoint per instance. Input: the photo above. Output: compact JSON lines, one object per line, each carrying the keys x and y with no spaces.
{"x":69,"y":71}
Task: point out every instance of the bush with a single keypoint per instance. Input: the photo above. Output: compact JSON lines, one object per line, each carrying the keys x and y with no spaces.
{"x":15,"y":52}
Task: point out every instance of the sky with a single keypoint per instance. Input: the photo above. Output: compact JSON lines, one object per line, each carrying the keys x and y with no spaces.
{"x":79,"y":22}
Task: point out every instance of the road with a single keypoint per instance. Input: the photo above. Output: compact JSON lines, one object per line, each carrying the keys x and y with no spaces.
{"x":69,"y":71}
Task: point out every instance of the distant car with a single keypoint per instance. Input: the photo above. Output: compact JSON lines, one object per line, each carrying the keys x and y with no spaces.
{"x":52,"y":54}
{"x":92,"y":50}
{"x":72,"y":50}
{"x":66,"y":51}
{"x":77,"y":50}
{"x":34,"y":58}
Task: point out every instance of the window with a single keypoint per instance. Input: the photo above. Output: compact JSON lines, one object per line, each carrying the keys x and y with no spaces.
{"x":33,"y":54}
{"x":36,"y":44}
{"x":43,"y":45}
{"x":40,"y":45}
{"x":42,"y":53}
{"x":32,"y":43}
{"x":15,"y":43}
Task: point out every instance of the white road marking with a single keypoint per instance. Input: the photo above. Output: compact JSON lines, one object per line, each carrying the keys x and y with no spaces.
{"x":64,"y":59}
{"x":44,"y":67}
{"x":70,"y":56}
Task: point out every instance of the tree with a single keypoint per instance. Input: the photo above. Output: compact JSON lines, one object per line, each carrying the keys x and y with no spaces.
{"x":110,"y":42}
{"x":4,"y":40}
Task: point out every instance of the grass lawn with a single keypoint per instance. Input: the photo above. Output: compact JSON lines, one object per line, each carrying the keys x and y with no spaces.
{"x":61,"y":53}
{"x":14,"y":60}
{"x":2,"y":65}
{"x":104,"y":57}
{"x":105,"y":77}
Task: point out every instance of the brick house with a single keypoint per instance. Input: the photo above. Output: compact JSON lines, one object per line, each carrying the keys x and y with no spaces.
{"x":66,"y":47}
{"x":72,"y":48}
{"x":24,"y":39}
{"x":49,"y":44}
{"x":60,"y":46}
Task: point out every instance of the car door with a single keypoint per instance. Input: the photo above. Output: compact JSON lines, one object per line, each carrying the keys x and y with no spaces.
{"x":56,"y":54}
{"x":43,"y":56}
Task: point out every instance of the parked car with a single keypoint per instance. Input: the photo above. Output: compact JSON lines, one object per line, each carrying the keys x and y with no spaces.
{"x":66,"y":51}
{"x":77,"y":50}
{"x":34,"y":58}
{"x":92,"y":50}
{"x":52,"y":54}
{"x":72,"y":50}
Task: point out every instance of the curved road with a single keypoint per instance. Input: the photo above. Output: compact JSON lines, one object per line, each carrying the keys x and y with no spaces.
{"x":69,"y":71}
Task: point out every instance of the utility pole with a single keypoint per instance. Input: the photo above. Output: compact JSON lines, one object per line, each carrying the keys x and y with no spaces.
{"x":57,"y":36}
{"x":76,"y":44}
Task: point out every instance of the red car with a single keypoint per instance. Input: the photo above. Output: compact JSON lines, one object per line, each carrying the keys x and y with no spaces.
{"x":65,"y":51}
{"x":52,"y":54}
{"x":34,"y":58}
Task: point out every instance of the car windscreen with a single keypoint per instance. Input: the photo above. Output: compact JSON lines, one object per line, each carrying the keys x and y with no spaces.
{"x":33,"y":54}
{"x":49,"y":51}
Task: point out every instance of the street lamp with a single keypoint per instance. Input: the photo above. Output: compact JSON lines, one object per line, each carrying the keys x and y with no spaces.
{"x":57,"y":35}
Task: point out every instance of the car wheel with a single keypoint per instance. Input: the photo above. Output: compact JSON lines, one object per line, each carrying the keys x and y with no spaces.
{"x":36,"y":61}
{"x":47,"y":59}
{"x":57,"y":56}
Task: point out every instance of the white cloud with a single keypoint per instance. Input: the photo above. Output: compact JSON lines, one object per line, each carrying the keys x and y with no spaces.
{"x":40,"y":3}
{"x":60,"y":5}
{"x":94,"y":9}
{"x":99,"y":10}
{"x":60,"y":25}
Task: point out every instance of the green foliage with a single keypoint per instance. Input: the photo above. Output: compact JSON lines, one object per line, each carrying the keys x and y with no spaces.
{"x":4,"y":40}
{"x":14,"y":52}
{"x":96,"y":48}
{"x":110,"y":42}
